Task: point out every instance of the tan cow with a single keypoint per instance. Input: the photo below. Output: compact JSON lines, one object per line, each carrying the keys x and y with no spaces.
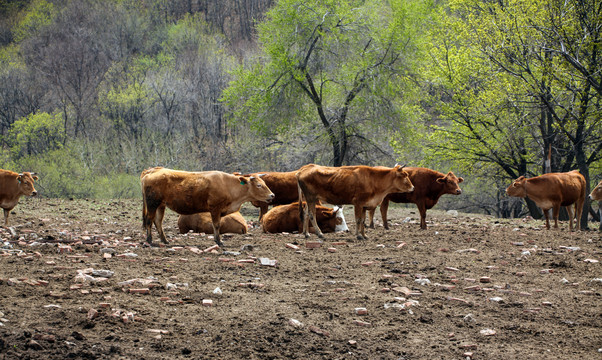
{"x":551,"y":191}
{"x":12,"y":186}
{"x":596,"y":194}
{"x":286,"y":218}
{"x":362,"y":186}
{"x":189,"y":193}
{"x":429,"y":186}
{"x":201,"y":223}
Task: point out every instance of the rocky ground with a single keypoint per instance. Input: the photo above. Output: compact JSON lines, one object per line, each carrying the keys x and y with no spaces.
{"x":75,"y":283}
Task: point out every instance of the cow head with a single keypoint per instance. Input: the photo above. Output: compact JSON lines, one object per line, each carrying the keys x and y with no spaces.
{"x":450,"y":184}
{"x":517,"y":188}
{"x":257,"y":188}
{"x":341,"y":224}
{"x":26,"y":180}
{"x":596,"y":194}
{"x":402,"y":180}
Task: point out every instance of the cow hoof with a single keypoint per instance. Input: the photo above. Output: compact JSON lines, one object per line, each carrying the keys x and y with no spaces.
{"x":360,"y":237}
{"x":321,"y":236}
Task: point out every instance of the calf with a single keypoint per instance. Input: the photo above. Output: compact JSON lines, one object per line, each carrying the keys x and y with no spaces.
{"x":364,"y":187}
{"x":201,"y":223}
{"x":12,"y":186}
{"x":189,"y":193}
{"x":429,"y":186}
{"x":551,"y":191}
{"x":286,"y":218}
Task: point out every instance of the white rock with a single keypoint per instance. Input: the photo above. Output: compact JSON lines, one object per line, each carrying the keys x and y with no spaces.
{"x":423,"y":281}
{"x":452,"y":213}
{"x":217,"y":291}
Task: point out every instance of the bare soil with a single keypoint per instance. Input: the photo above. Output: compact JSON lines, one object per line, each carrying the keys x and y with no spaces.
{"x":468,"y":286}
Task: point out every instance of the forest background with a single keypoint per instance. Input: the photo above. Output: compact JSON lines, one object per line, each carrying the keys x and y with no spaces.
{"x":93,"y":92}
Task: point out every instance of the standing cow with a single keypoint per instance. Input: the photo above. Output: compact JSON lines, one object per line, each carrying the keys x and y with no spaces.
{"x":12,"y":186}
{"x":284,"y":187}
{"x":188,"y":193}
{"x":286,"y":218}
{"x":429,"y":186}
{"x":233,"y":223}
{"x":364,"y":187}
{"x":551,"y":191}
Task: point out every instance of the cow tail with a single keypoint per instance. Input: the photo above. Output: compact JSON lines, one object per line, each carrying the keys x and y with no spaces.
{"x":145,"y":220}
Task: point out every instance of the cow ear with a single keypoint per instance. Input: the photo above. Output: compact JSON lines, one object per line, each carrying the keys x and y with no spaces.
{"x":328,"y":213}
{"x":20,"y":178}
{"x":35,"y":177}
{"x":243,"y":180}
{"x":460,"y":180}
{"x":441,"y":180}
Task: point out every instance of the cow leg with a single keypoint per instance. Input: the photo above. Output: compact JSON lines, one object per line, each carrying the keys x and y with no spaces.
{"x":159,"y":223}
{"x":556,"y":212}
{"x":547,"y":215}
{"x":215,"y":220}
{"x":384,"y":207}
{"x":422,"y":211}
{"x":6,"y":212}
{"x":263,"y":208}
{"x":311,"y":211}
{"x":569,"y":210}
{"x":579,"y":211}
{"x":371,"y":215}
{"x":359,"y":221}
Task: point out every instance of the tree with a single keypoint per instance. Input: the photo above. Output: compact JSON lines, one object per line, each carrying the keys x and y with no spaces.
{"x":507,"y":97}
{"x":336,"y":62}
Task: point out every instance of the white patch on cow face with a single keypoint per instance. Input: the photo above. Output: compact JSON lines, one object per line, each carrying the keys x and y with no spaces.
{"x":339,"y":215}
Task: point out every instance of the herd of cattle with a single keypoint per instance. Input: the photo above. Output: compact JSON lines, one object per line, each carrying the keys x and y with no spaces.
{"x":209,"y":201}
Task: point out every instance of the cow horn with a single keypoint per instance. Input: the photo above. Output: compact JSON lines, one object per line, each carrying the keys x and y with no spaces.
{"x":260,"y":175}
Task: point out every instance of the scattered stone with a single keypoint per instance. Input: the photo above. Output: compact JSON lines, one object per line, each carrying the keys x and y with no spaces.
{"x":361,"y":311}
{"x":487,"y":332}
{"x":295,"y":323}
{"x":319,"y":331}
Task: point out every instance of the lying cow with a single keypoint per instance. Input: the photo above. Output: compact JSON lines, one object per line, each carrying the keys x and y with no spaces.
{"x":12,"y":186}
{"x":364,"y":187}
{"x":286,"y":218}
{"x":201,"y":223}
{"x":429,"y":186}
{"x":596,"y":194}
{"x":189,"y":193}
{"x":551,"y":191}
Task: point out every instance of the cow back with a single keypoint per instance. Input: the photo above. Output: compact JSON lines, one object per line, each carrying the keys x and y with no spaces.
{"x":565,"y":188}
{"x":202,"y":223}
{"x":285,"y":218}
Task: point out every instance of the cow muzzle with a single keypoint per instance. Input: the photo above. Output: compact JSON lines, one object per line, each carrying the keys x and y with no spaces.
{"x":34,"y":193}
{"x":270,"y":198}
{"x":459,"y":191}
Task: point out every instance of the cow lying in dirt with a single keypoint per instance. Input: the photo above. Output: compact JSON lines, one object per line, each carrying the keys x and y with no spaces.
{"x":286,"y":218}
{"x":189,"y":193}
{"x":201,"y":223}
{"x":12,"y":187}
{"x":551,"y":191}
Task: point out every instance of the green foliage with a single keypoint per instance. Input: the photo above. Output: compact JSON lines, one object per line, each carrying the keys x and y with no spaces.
{"x":36,"y":134}
{"x":38,"y":15}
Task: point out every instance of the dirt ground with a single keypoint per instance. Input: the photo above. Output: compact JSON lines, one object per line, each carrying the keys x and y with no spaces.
{"x":75,"y":283}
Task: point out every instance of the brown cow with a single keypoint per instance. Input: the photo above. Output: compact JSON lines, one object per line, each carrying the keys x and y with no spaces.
{"x":201,"y":223}
{"x":551,"y":191}
{"x":189,"y":193}
{"x":286,"y":218}
{"x":12,"y":186}
{"x":364,"y":187}
{"x":284,"y":187}
{"x":596,"y":194}
{"x":429,"y":185}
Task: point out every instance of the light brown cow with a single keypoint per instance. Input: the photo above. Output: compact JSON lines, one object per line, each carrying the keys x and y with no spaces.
{"x":201,"y":223}
{"x":286,"y":218}
{"x":429,"y":186}
{"x":12,"y":186}
{"x":362,"y":186}
{"x":551,"y":191}
{"x":596,"y":194}
{"x":282,"y":184}
{"x":189,"y":193}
